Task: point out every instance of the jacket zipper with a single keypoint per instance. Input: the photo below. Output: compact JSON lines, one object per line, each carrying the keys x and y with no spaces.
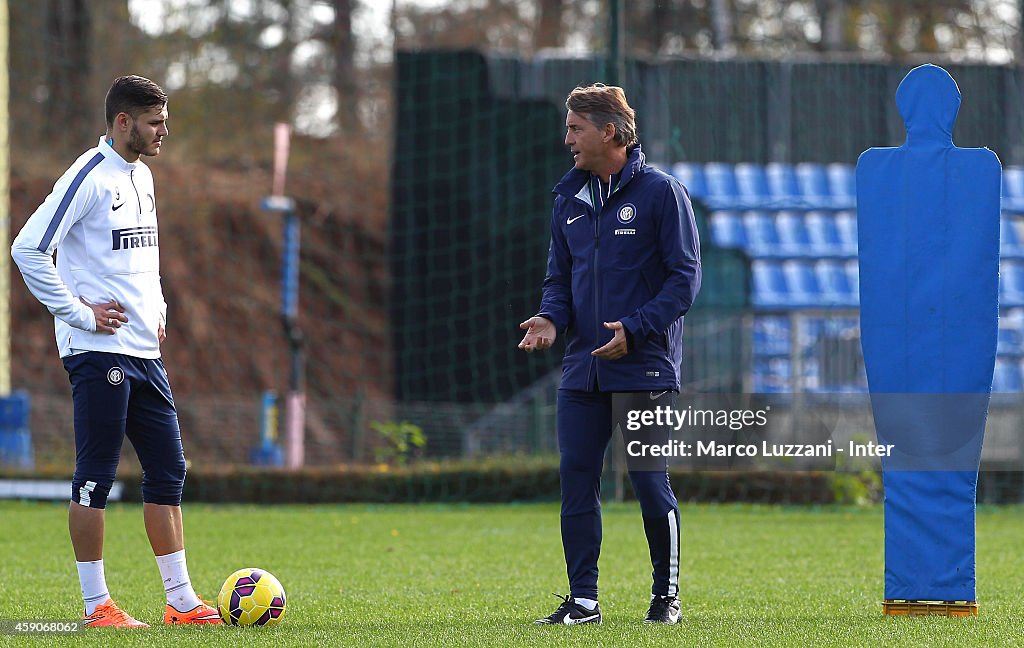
{"x":138,"y":198}
{"x":598,"y":209}
{"x":597,"y":251}
{"x":592,"y":371}
{"x":597,"y":290}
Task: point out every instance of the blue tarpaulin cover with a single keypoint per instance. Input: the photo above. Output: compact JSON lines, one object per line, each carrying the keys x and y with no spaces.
{"x":928,"y":235}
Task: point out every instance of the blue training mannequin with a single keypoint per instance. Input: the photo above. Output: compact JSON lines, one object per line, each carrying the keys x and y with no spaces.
{"x":928,"y":233}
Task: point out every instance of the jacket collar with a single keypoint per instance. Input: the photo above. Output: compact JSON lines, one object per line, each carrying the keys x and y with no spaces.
{"x":574,"y":183}
{"x":108,"y":152}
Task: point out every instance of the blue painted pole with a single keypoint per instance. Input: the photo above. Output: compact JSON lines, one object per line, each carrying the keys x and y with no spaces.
{"x":290,"y":270}
{"x":295,"y":401}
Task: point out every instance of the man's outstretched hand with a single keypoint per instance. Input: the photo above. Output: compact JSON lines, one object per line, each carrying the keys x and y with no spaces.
{"x":617,"y":347}
{"x":540,"y":334}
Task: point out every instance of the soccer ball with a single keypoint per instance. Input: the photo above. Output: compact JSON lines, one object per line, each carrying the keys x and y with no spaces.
{"x":251,"y":597}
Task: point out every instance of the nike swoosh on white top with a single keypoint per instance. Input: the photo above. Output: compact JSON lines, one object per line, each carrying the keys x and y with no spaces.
{"x":567,"y":620}
{"x":570,"y":221}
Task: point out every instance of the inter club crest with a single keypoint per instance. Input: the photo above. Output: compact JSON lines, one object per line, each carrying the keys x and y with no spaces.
{"x":627,"y":213}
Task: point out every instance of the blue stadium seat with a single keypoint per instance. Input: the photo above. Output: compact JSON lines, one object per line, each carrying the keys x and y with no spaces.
{"x":782,"y":185}
{"x":811,"y":330}
{"x":770,"y":290}
{"x":823,"y":234}
{"x":794,"y":239}
{"x":1011,"y":283}
{"x":762,"y":237}
{"x":836,"y":289}
{"x":1012,"y":227}
{"x":1011,"y":333}
{"x":1011,"y":342}
{"x":813,"y":182}
{"x":691,"y":174}
{"x":810,"y":379}
{"x":846,"y":225}
{"x":1009,"y":239}
{"x":842,"y":185}
{"x":752,"y":184}
{"x":804,"y":289}
{"x":723,"y":193}
{"x":853,"y":278}
{"x":771,"y":335}
{"x":1013,"y":189}
{"x":727,"y":230}
{"x":771,"y":375}
{"x":1007,"y":377}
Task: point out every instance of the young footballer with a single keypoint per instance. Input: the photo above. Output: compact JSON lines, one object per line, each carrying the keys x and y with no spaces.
{"x":109,"y":313}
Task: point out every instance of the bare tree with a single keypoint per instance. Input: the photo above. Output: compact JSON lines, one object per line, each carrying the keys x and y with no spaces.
{"x":120,"y":48}
{"x":69,"y":45}
{"x":831,"y":19}
{"x":721,"y":25}
{"x":1018,"y":42}
{"x":549,"y":24}
{"x":493,"y":24}
{"x":344,"y":73}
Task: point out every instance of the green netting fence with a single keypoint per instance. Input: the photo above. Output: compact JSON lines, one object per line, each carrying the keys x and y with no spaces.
{"x":417,"y":265}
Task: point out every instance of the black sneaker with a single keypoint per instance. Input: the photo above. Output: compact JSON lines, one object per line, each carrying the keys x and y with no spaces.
{"x":571,"y":613}
{"x":664,"y":609}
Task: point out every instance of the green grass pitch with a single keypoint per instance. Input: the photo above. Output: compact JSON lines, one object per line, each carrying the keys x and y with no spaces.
{"x":433,"y":575}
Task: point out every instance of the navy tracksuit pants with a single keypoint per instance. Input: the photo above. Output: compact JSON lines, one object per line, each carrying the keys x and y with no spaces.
{"x":585,"y":425}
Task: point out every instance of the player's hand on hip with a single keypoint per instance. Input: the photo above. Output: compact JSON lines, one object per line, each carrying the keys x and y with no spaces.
{"x":109,"y":315}
{"x":540,"y":334}
{"x":616,"y":347}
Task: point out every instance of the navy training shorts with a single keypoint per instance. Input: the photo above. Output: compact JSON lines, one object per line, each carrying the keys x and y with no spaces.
{"x":115,"y":396}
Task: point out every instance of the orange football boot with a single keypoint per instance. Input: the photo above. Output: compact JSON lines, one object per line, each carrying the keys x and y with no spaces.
{"x":109,"y":615}
{"x":200,"y":614}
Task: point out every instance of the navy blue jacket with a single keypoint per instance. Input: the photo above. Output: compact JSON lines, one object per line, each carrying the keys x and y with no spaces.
{"x":634,"y":259}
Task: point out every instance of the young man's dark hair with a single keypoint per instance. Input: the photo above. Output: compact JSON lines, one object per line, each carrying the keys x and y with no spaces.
{"x":134,"y":95}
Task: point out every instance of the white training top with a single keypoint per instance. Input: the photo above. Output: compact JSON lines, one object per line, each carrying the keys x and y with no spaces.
{"x":101,"y":221}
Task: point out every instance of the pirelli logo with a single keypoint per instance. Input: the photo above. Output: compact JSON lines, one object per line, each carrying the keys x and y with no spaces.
{"x":135,"y":237}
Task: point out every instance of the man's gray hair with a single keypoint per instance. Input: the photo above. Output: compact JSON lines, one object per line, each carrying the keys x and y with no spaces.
{"x":601,"y":105}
